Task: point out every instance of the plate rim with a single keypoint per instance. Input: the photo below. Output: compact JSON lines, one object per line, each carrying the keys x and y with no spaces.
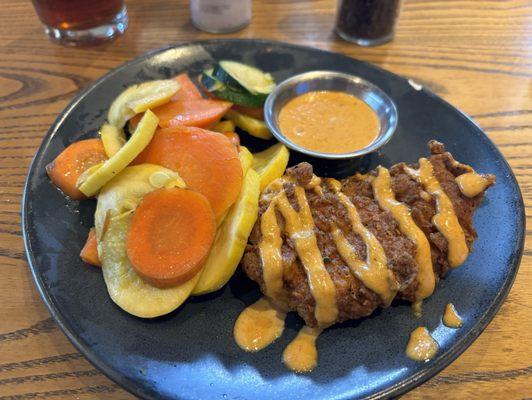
{"x":394,"y":390}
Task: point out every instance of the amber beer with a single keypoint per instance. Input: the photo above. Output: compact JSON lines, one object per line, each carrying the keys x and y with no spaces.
{"x":82,"y":21}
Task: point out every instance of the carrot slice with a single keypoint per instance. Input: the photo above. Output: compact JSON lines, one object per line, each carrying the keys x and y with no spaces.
{"x":187,"y":89}
{"x":200,"y":113}
{"x":89,"y":252}
{"x":255,"y":112}
{"x":233,"y":137}
{"x":207,"y":161}
{"x":170,"y":236}
{"x":65,"y":170}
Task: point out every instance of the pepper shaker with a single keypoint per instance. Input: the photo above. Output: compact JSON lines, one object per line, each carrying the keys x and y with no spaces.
{"x":220,"y":16}
{"x":367,"y":22}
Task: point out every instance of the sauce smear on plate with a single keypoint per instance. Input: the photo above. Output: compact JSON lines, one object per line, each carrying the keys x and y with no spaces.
{"x":451,"y":317}
{"x":421,"y":346}
{"x":329,"y":122}
{"x":259,"y":325}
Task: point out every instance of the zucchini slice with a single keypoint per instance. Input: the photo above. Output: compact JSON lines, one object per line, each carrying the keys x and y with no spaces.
{"x":209,"y":82}
{"x":221,"y":91}
{"x":242,"y":99}
{"x":241,"y":76}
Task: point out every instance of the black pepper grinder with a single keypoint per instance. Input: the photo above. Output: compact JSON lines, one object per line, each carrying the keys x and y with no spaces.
{"x":367,"y":22}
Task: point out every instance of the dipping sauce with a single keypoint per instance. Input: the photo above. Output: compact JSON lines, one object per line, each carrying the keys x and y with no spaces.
{"x":329,"y":122}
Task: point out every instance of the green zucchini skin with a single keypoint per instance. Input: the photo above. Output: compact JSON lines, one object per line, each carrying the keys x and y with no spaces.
{"x":209,"y":82}
{"x":242,"y":77}
{"x":222,"y":91}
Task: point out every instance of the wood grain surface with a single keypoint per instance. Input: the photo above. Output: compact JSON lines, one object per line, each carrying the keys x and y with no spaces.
{"x":476,"y":54}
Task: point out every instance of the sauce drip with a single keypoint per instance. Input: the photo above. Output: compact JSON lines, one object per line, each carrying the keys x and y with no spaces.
{"x":417,"y":308}
{"x":471,"y":184}
{"x":300,"y":228}
{"x":445,"y":219}
{"x":314,"y":183}
{"x":335,"y":185}
{"x":373,"y":272}
{"x":270,"y":253}
{"x":329,"y":122}
{"x":258,"y":325}
{"x":382,"y":189}
{"x":425,"y":196}
{"x":301,"y":354}
{"x":451,"y":317}
{"x":421,"y":346}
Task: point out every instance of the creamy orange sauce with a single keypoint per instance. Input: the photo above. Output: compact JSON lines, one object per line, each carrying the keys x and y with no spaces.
{"x":334,"y":184}
{"x":417,"y":308}
{"x":373,"y":272}
{"x":425,"y":196}
{"x":421,"y":346}
{"x":270,"y":253}
{"x":263,"y":322}
{"x":314,"y":184}
{"x":258,"y":325}
{"x":329,"y":122}
{"x":300,"y":228}
{"x":445,"y":219}
{"x":451,"y":317}
{"x":382,"y":189}
{"x":301,"y":355}
{"x":471,"y":184}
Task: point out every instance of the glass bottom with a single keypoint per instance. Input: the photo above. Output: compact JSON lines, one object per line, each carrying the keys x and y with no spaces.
{"x":90,"y":37}
{"x":362,"y":41}
{"x":215,"y":30}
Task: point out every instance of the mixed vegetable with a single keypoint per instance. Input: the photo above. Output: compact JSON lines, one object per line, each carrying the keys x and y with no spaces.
{"x":178,"y":196}
{"x":247,"y":88}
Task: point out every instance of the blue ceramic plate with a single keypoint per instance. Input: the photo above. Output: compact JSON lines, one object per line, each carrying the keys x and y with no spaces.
{"x":191,"y":353}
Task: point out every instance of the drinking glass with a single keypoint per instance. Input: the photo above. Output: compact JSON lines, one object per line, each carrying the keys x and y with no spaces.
{"x":82,"y":22}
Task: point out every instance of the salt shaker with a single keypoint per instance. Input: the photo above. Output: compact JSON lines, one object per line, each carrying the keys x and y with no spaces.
{"x":220,"y":16}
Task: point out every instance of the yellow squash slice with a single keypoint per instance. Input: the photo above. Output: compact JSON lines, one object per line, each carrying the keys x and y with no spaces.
{"x":246,"y":159}
{"x":118,"y":199}
{"x":255,"y":127}
{"x":231,"y":238}
{"x":270,"y":164}
{"x":113,"y":139}
{"x":85,"y":174}
{"x":224,"y":126}
{"x":120,"y":160}
{"x":139,"y":98}
{"x":124,"y":191}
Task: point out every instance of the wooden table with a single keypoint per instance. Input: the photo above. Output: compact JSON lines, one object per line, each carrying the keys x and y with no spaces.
{"x":476,"y":54}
